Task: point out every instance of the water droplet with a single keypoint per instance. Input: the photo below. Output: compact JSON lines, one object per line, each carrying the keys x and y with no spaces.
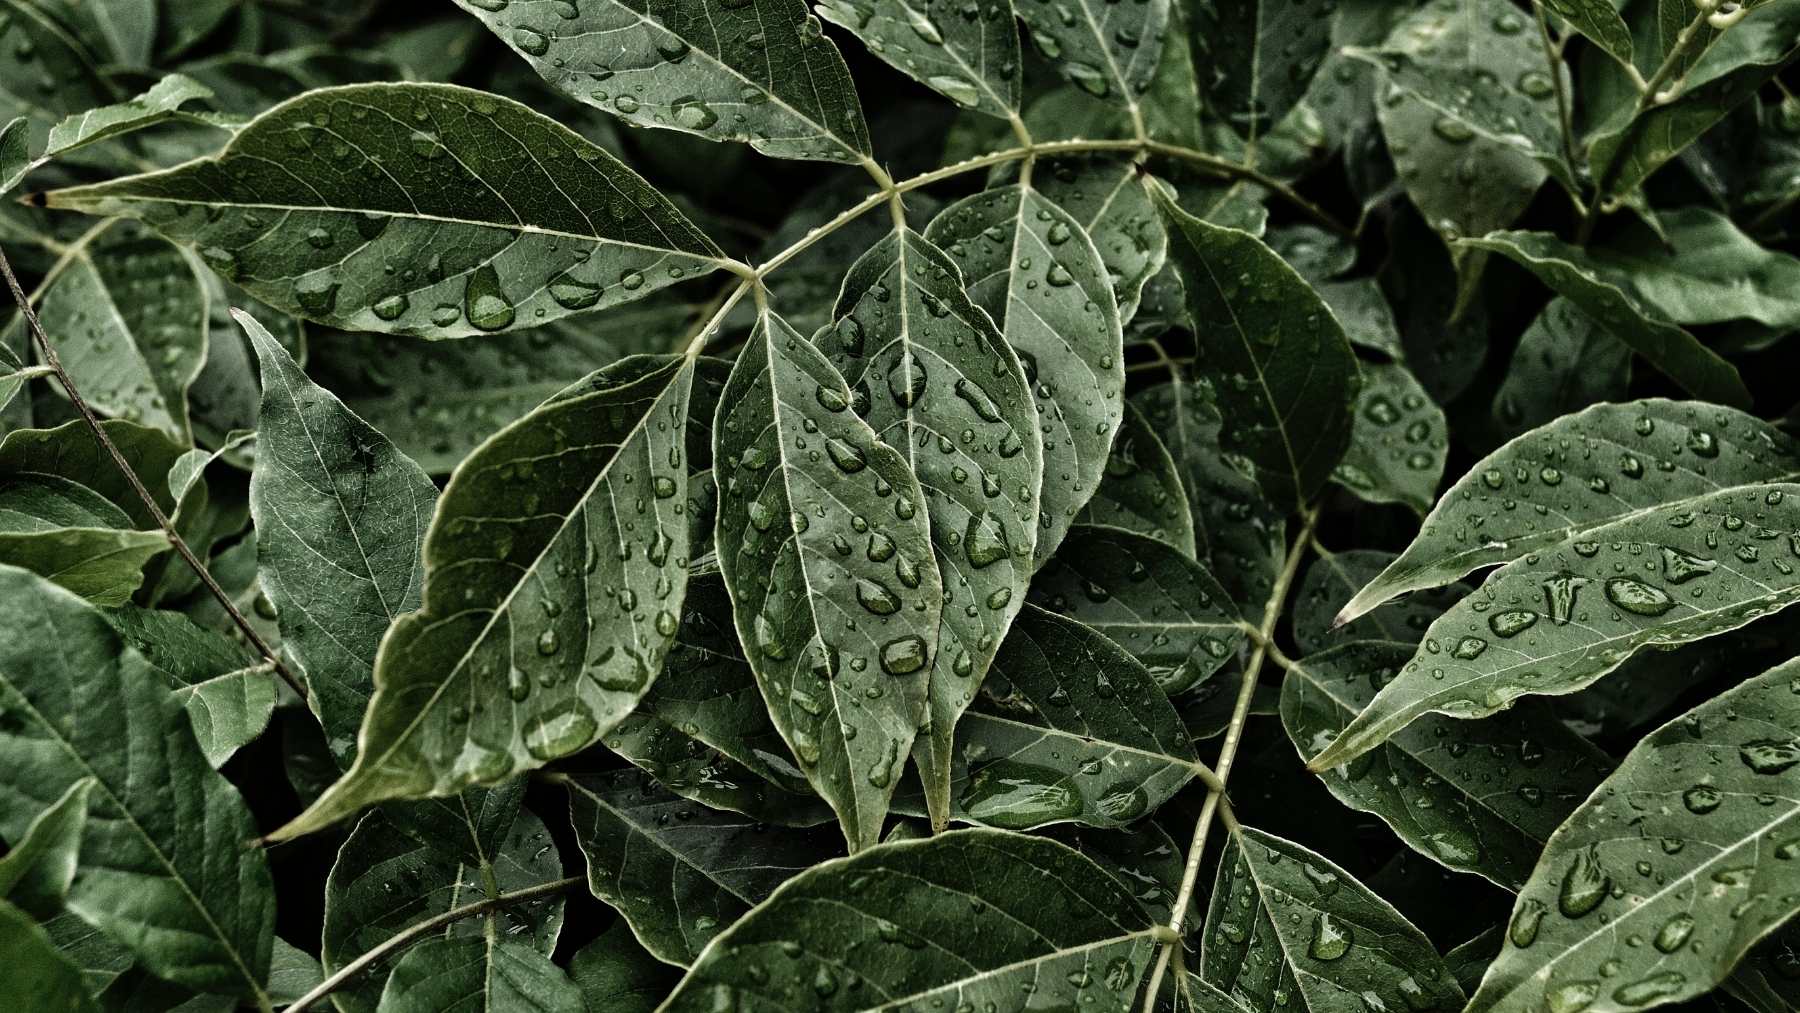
{"x":1018,"y":796}
{"x":1702,"y":799}
{"x":903,"y":655}
{"x":485,"y":305}
{"x":1523,"y":930}
{"x":872,"y":595}
{"x":1331,"y":938}
{"x":1674,"y":932}
{"x":1637,"y":597}
{"x":1680,"y":567}
{"x":984,"y":540}
{"x":1584,"y":885}
{"x":1770,"y":756}
{"x":906,"y":381}
{"x":1513,"y":623}
{"x":561,"y":731}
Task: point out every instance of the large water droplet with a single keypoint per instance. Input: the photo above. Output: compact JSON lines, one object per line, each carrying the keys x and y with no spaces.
{"x":484,"y":303}
{"x":561,"y":731}
{"x":1331,"y":938}
{"x":1019,"y":796}
{"x":903,"y":656}
{"x":1637,"y":597}
{"x":1584,"y":885}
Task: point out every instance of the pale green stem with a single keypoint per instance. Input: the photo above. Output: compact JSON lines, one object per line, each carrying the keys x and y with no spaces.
{"x":1553,"y":51}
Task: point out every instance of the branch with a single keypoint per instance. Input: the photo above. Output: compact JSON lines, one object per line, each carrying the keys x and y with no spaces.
{"x":399,"y":940}
{"x":137,"y":485}
{"x":1553,"y":56}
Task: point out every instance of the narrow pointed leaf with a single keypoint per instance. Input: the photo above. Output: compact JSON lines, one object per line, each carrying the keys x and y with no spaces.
{"x":759,"y":71}
{"x":1141,"y":489}
{"x":339,"y":516}
{"x":161,"y":103}
{"x":1257,"y":58}
{"x":184,"y":894}
{"x":1037,"y":273}
{"x":1287,"y":928}
{"x":1564,"y":616}
{"x":893,"y":915}
{"x":555,"y":566}
{"x":1398,"y":441}
{"x":73,"y":536}
{"x":680,"y":874}
{"x":524,"y":220}
{"x":489,"y":975}
{"x":15,"y":152}
{"x":842,"y":643}
{"x":968,"y":55}
{"x":1578,"y":473}
{"x":1108,"y":50}
{"x":933,"y":377}
{"x":36,"y":969}
{"x":1672,"y":350}
{"x":1683,"y":847}
{"x":1477,"y":796}
{"x":1331,"y":580}
{"x":36,"y":872}
{"x":1163,"y":608}
{"x":1280,"y":364}
{"x":228,"y":692}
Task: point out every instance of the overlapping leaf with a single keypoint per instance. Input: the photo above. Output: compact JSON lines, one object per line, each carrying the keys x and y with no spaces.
{"x":501,"y":216}
{"x":40,"y":865}
{"x":1333,"y":579}
{"x":1564,"y":362}
{"x":970,"y":58}
{"x":1141,"y":489}
{"x":1257,"y":57}
{"x":1108,"y":50}
{"x":1398,"y":441}
{"x":229,"y":693}
{"x":503,"y":975}
{"x":73,"y":536}
{"x":842,"y":641}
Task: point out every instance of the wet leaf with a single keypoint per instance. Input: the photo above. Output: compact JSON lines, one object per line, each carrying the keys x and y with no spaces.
{"x":1108,"y":50}
{"x":1564,"y":362}
{"x":1141,"y":490}
{"x":1398,"y":441}
{"x":1331,"y":580}
{"x":503,"y":975}
{"x":1105,"y":198}
{"x":972,"y":60}
{"x":1257,"y":58}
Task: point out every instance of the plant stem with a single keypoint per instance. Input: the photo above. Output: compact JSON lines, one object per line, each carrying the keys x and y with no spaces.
{"x":112,"y":449}
{"x":1553,"y":56}
{"x":1262,"y":637}
{"x":400,"y":939}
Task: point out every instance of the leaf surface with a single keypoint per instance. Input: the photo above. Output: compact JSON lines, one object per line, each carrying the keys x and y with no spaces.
{"x":1141,"y":489}
{"x":1257,"y":58}
{"x":37,"y":970}
{"x":616,"y":975}
{"x":39,"y":866}
{"x":229,"y":693}
{"x":971,"y":59}
{"x":1398,"y":440}
{"x":524,"y":220}
{"x":1108,"y":50}
{"x":497,"y":975}
{"x":73,"y":536}
{"x":1331,"y":580}
{"x":1564,"y":362}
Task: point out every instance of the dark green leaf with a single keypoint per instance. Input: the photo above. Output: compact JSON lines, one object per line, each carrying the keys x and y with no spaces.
{"x":1257,"y":58}
{"x":36,"y":872}
{"x":1334,"y":578}
{"x":616,"y":975}
{"x":971,"y":60}
{"x":1564,"y":362}
{"x":36,"y":971}
{"x":1108,"y":50}
{"x":1599,"y":20}
{"x":73,"y":536}
{"x":1141,"y":489}
{"x":1398,"y":441}
{"x":1104,"y":197}
{"x":228,"y":692}
{"x":497,"y":975}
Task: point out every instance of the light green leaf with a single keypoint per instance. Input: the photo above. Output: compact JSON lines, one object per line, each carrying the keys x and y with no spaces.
{"x":1280,"y":364}
{"x":228,"y":692}
{"x":71,"y":452}
{"x":1683,"y":847}
{"x":1672,"y":350}
{"x":1567,"y":614}
{"x":555,"y":566}
{"x":1285,"y":924}
{"x":72,"y":535}
{"x":1333,"y":579}
{"x":166,"y":873}
{"x":339,"y":516}
{"x":892,"y":914}
{"x":15,"y":152}
{"x":1079,"y":731}
{"x":496,"y":974}
{"x":616,"y":975}
{"x":525,"y":220}
{"x":1608,"y":463}
{"x":1477,"y":796}
{"x":1599,"y":20}
{"x":36,"y":970}
{"x":1109,"y":50}
{"x":1163,"y":608}
{"x":1143,"y":858}
{"x":1034,"y":269}
{"x":971,"y":59}
{"x":930,"y":373}
{"x":385,"y":881}
{"x":761,"y":71}
{"x":293,"y":972}
{"x":36,"y":872}
{"x":842,"y":642}
{"x":1256,"y":58}
{"x":1104,"y":197}
{"x":1141,"y":489}
{"x":1564,"y":362}
{"x":160,"y":104}
{"x":1398,"y":440}
{"x":681,"y":874}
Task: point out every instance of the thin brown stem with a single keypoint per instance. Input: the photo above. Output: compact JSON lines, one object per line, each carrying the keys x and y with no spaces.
{"x":180,"y":545}
{"x":404,"y":937}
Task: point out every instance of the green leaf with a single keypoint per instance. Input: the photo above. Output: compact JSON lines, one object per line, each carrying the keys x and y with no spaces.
{"x":46,"y":70}
{"x":339,"y":515}
{"x":70,"y":451}
{"x":1287,"y":924}
{"x":973,"y":60}
{"x":293,"y":972}
{"x":1257,"y":57}
{"x":761,"y":72}
{"x":1334,"y":578}
{"x":35,"y":874}
{"x":1141,"y":489}
{"x":1108,"y":50}
{"x":228,"y":692}
{"x":1567,"y":614}
{"x":1470,"y":960}
{"x":1477,"y":796}
{"x":167,"y":872}
{"x":1674,"y":351}
{"x":679,"y":874}
{"x":1599,"y":20}
{"x":1479,"y":67}
{"x":1163,"y":608}
{"x":555,"y":566}
{"x":384,"y":882}
{"x":842,"y":643}
{"x":1689,"y":858}
{"x":1032,"y":267}
{"x":499,"y":975}
{"x":702,"y":730}
{"x":1280,"y":365}
{"x":1564,"y":362}
{"x":923,"y":363}
{"x":892,"y":915}
{"x":1605,"y":464}
{"x":15,"y":152}
{"x":1079,"y":732}
{"x":617,"y":975}
{"x":1398,"y":441}
{"x":526,"y":221}
{"x":160,"y":104}
{"x":72,"y":535}
{"x":1104,"y":197}
{"x":50,"y":980}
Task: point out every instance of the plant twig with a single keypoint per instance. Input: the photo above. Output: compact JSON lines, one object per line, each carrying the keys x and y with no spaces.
{"x":1553,"y":51}
{"x":1262,"y":637}
{"x":112,"y":449}
{"x":400,"y":939}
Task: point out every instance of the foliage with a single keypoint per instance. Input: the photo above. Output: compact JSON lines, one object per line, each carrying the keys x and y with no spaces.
{"x":1164,"y":505}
